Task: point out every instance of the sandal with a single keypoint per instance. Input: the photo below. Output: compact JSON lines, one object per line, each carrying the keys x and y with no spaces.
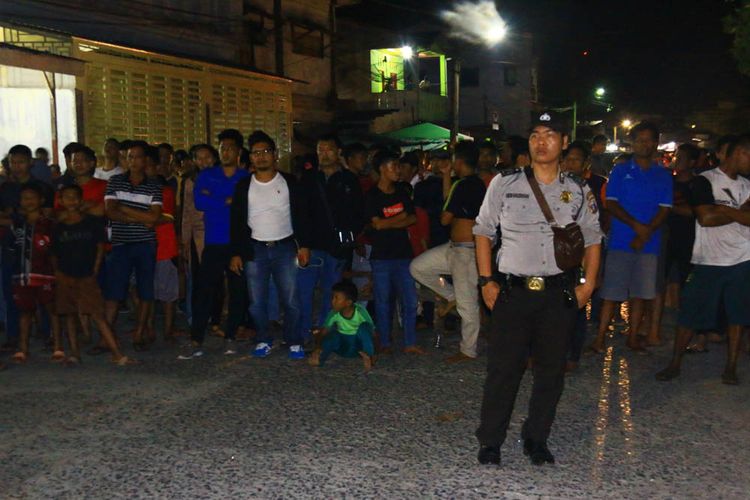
{"x":126,"y":361}
{"x":58,"y":356}
{"x":19,"y":357}
{"x":216,"y":331}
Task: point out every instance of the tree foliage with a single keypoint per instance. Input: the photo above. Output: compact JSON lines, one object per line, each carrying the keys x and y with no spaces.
{"x":738,"y":25}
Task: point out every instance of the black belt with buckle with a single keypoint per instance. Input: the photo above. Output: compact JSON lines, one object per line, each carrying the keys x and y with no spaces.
{"x":274,"y":243}
{"x":537,"y":283}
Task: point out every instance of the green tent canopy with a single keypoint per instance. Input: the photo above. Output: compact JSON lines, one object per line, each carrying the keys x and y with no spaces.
{"x":425,"y":136}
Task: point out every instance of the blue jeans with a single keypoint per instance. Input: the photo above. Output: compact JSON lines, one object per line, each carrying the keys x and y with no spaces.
{"x":122,"y":261}
{"x":325,"y":270}
{"x":278,"y":263}
{"x":390,"y":275}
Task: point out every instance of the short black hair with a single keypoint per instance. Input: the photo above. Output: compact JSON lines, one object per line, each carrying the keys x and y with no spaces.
{"x":42,"y":150}
{"x":260,"y":136}
{"x":468,"y":152}
{"x":742,"y":141}
{"x":411,"y":158}
{"x":71,"y":148}
{"x":152,"y":153}
{"x":143,"y":145}
{"x":691,"y":150}
{"x":518,"y":146}
{"x":330,"y":138}
{"x":125,"y":144}
{"x":232,"y":134}
{"x":489,"y":145}
{"x":20,"y":149}
{"x":347,"y":288}
{"x":112,"y":140}
{"x":382,"y":157}
{"x":166,"y":145}
{"x":353,"y":149}
{"x":72,"y":187}
{"x":580,"y":146}
{"x":725,"y":140}
{"x":181,"y":155}
{"x":89,"y":153}
{"x":197,"y":147}
{"x":32,"y":186}
{"x":599,"y":139}
{"x":645,"y":127}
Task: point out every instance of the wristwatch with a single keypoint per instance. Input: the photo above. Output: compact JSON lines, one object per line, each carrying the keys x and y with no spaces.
{"x":483,"y":280}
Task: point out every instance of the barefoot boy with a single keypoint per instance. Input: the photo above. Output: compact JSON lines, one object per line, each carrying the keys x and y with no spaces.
{"x":78,"y":249}
{"x":348,"y":329}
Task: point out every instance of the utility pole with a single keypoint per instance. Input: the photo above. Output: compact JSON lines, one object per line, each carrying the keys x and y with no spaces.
{"x":575,"y":120}
{"x":456,"y":97}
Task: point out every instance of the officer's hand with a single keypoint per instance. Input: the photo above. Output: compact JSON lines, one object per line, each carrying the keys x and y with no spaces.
{"x":583,"y":294}
{"x":303,"y":256}
{"x":490,"y":291}
{"x":235,"y":265}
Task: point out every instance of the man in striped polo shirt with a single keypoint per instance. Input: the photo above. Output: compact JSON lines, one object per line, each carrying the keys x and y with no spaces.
{"x":133,"y":205}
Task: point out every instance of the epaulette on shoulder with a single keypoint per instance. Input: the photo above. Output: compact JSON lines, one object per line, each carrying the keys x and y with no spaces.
{"x":576,"y":178}
{"x":510,"y":171}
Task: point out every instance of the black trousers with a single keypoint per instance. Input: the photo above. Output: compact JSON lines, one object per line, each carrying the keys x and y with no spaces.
{"x":209,"y":282}
{"x":525,"y":322}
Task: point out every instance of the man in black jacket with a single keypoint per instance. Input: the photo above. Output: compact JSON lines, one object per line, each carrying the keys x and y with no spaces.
{"x":337,"y":211}
{"x":269,"y":236}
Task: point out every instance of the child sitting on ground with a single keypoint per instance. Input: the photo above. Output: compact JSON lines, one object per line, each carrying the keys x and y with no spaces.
{"x":348,"y":329}
{"x":78,"y":249}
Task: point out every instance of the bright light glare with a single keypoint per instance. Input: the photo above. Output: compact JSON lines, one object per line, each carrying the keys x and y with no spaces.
{"x":692,"y":126}
{"x":477,"y":22}
{"x":600,"y":92}
{"x":407,"y":52}
{"x":611,"y":147}
{"x":626,"y":123}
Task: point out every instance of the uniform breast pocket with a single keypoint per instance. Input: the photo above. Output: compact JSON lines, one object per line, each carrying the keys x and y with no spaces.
{"x":522,"y":212}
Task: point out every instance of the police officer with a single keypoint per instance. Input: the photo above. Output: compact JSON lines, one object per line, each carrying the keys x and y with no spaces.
{"x":533,"y":302}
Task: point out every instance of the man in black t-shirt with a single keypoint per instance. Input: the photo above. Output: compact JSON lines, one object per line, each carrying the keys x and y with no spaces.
{"x":389,"y":211}
{"x":457,"y":256}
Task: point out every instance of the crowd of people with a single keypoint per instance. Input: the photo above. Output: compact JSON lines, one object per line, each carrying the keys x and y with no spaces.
{"x":353,"y":238}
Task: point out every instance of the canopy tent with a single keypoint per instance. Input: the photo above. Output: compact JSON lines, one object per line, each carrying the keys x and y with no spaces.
{"x":425,"y":136}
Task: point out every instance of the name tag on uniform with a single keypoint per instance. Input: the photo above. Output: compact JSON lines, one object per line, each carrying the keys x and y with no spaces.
{"x":516,"y":195}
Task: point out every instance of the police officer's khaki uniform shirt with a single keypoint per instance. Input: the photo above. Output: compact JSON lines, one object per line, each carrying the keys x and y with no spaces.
{"x":527,"y":240}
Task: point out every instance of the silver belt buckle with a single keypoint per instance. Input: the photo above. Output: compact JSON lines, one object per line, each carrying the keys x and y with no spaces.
{"x":535,"y":283}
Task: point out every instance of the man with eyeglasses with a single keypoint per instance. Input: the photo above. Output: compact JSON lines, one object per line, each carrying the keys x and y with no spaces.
{"x":213,"y":192}
{"x":270,"y":233}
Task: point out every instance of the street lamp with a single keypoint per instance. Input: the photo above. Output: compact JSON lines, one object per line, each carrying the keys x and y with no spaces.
{"x":626,"y":123}
{"x":407,"y":52}
{"x":599,"y":93}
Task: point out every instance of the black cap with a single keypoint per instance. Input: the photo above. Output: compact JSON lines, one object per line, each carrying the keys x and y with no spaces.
{"x":440,"y":154}
{"x":551,"y":119}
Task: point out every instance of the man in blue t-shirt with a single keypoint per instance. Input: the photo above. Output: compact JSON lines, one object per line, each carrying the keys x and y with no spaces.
{"x":639,"y":198}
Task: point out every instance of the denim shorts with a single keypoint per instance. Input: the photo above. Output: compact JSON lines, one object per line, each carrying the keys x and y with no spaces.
{"x":122,"y":261}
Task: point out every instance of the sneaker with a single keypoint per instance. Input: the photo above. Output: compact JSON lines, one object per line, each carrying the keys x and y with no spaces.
{"x":262,"y":350}
{"x":296,"y":352}
{"x":190,"y":351}
{"x":230,"y":347}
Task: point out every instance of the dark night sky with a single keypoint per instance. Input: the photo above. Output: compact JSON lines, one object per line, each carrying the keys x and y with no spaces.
{"x":651,"y":56}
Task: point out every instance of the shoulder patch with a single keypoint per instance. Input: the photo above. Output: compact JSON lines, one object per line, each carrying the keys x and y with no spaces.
{"x":576,"y":178}
{"x":510,"y":171}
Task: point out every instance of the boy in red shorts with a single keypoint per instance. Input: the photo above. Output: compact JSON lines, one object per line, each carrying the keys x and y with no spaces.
{"x":33,"y":277}
{"x":78,"y":251}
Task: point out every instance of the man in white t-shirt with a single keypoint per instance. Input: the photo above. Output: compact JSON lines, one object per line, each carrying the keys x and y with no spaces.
{"x":721,"y":255}
{"x":270,"y":233}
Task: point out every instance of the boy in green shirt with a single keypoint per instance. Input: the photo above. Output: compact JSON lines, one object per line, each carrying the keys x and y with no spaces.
{"x":347,"y":331}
